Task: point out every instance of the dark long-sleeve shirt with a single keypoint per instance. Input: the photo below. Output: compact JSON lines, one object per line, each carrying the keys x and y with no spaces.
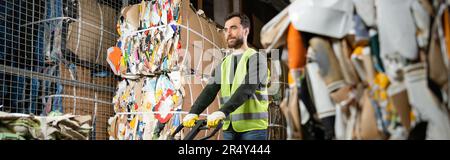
{"x":256,"y":77}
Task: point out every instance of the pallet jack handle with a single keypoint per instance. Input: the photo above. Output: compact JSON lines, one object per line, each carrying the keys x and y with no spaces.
{"x":199,"y":125}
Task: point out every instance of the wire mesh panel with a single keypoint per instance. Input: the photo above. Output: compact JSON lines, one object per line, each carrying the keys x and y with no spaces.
{"x":53,"y":58}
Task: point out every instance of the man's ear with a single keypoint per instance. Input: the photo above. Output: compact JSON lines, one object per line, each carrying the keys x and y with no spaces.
{"x":246,"y":31}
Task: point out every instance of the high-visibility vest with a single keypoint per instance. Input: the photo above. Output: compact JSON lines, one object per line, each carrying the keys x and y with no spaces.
{"x":253,"y":114}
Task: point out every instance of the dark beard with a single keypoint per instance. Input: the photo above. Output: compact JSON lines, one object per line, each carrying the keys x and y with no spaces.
{"x":238,"y":44}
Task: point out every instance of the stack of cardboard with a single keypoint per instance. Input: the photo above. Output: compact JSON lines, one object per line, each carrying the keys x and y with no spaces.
{"x":76,"y":48}
{"x":93,"y":33}
{"x":163,"y":75}
{"x":89,"y":38}
{"x":80,"y":100}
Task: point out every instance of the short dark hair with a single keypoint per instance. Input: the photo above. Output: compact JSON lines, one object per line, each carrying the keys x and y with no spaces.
{"x":245,"y":21}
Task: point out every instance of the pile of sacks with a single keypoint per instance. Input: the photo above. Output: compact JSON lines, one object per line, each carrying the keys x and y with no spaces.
{"x":19,"y":127}
{"x":54,"y":127}
{"x":373,"y":69}
{"x":66,"y":127}
{"x":153,"y":55}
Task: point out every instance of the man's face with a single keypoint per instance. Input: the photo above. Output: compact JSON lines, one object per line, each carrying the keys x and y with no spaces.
{"x":235,"y":33}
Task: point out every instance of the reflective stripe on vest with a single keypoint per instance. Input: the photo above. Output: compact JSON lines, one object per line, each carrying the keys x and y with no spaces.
{"x":248,"y":116}
{"x":258,"y":97}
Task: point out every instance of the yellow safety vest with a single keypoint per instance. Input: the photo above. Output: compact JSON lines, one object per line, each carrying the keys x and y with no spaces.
{"x":253,"y":114}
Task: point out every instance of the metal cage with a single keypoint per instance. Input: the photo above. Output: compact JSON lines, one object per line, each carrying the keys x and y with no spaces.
{"x":53,"y":58}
